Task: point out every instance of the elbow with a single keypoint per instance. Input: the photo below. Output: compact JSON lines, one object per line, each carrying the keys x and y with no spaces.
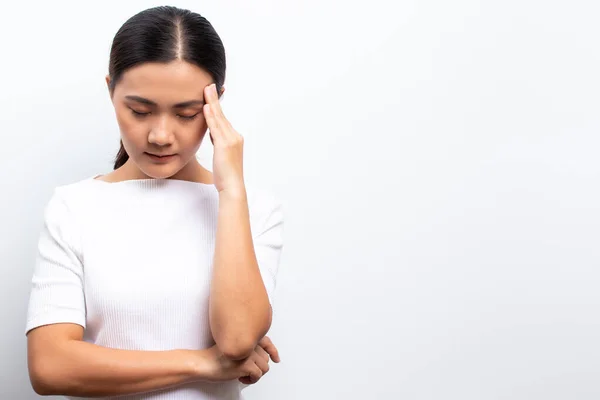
{"x":42,"y":383}
{"x":239,"y":344}
{"x":238,"y":349}
{"x":50,"y":384}
{"x":50,"y":373}
{"x":41,"y":389}
{"x":47,"y":377}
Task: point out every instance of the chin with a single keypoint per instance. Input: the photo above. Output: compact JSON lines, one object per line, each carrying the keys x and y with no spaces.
{"x":160,"y":171}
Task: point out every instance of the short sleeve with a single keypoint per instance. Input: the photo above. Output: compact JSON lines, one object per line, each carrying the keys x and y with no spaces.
{"x":267,"y":236}
{"x":57,"y":294}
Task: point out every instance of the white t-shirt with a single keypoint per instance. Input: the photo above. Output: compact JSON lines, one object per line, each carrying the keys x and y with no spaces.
{"x":131,"y":262}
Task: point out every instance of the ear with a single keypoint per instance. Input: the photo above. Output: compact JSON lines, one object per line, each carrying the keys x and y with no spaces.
{"x":222,"y":91}
{"x":108,"y":80}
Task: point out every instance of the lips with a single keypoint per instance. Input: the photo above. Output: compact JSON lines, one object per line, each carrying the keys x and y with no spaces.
{"x":160,"y":157}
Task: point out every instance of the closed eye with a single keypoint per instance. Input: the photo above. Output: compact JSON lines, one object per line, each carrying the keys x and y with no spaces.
{"x":142,"y":114}
{"x":188,"y":117}
{"x":138,"y":114}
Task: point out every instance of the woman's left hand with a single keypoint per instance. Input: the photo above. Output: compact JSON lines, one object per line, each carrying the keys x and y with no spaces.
{"x":228,"y":164}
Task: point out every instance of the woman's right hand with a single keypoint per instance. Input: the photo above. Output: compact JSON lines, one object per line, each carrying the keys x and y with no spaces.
{"x":249,"y":370}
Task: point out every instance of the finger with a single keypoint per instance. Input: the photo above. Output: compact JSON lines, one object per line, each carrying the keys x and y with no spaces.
{"x":219,"y":127}
{"x":270,"y":348}
{"x":261,"y":363}
{"x":254,"y":372}
{"x":246,"y":380}
{"x":226,"y":130}
{"x":212,"y":122}
{"x":210,"y":136}
{"x":210,"y":93}
{"x":262,"y":353}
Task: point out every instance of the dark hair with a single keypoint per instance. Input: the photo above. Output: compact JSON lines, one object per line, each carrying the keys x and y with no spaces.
{"x":164,"y":34}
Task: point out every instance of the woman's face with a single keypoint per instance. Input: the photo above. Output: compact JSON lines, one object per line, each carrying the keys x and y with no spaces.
{"x":159,"y":112}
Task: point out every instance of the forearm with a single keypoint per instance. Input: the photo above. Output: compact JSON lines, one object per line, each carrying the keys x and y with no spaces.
{"x":78,"y":368}
{"x":240,"y":313}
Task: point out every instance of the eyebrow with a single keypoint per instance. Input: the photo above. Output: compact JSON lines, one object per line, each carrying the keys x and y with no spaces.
{"x":178,"y":105}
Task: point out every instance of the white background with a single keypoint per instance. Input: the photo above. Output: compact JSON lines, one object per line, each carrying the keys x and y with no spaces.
{"x":438,"y":164}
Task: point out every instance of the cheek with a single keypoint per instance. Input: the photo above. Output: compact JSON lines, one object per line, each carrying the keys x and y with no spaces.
{"x":132,"y":131}
{"x":202,"y":129}
{"x":135,"y":133}
{"x":194,"y":133}
{"x":190,"y":140}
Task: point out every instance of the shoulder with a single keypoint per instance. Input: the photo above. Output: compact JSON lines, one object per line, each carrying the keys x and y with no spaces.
{"x":266,"y":213}
{"x":73,"y":189}
{"x":67,"y":198}
{"x":262,"y":201}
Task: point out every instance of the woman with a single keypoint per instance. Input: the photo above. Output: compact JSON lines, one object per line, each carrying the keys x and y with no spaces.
{"x":154,"y":281}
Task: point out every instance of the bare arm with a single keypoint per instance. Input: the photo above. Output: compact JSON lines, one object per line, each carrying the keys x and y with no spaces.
{"x":240,"y":312}
{"x":60,"y":363}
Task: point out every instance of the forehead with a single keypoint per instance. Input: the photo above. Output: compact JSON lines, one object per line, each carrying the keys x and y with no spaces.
{"x":161,"y":82}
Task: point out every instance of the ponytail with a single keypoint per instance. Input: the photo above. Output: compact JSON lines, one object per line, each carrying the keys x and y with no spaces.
{"x":121,"y":157}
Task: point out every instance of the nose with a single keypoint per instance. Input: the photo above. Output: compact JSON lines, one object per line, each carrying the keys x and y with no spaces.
{"x":161,"y":133}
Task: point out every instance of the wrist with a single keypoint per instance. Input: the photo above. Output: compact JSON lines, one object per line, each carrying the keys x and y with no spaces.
{"x":234,"y":194}
{"x":197,"y":365}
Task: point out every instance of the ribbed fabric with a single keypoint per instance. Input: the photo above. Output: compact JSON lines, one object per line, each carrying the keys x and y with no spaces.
{"x":131,"y":262}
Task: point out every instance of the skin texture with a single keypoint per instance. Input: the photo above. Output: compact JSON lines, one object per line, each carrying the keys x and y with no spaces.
{"x":164,"y":130}
{"x":240,"y":314}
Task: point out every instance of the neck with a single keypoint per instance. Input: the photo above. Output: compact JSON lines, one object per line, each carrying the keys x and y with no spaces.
{"x":192,"y":171}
